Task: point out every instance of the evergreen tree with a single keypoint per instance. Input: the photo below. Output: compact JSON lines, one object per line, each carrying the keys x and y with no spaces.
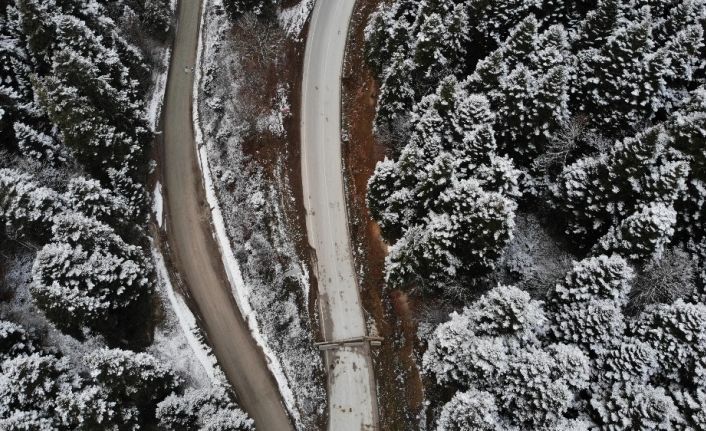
{"x":643,"y":235}
{"x":157,"y":18}
{"x":87,"y":276}
{"x":470,"y":410}
{"x":634,"y":406}
{"x":31,"y":383}
{"x":601,"y":277}
{"x":622,"y":83}
{"x":263,"y":8}
{"x":388,"y":33}
{"x":133,"y":379}
{"x":26,"y":208}
{"x":597,"y":193}
{"x":678,"y":332}
{"x":91,"y":199}
{"x":14,"y":341}
{"x":206,"y":409}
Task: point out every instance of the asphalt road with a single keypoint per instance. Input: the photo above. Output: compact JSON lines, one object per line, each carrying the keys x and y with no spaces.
{"x":352,"y":398}
{"x":194,"y":248}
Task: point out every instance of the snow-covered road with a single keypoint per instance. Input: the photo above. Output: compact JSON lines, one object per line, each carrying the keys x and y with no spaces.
{"x":352,"y":395}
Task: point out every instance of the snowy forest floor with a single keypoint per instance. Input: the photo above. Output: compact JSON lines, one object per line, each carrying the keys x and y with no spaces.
{"x":247,"y":106}
{"x":393,"y":313}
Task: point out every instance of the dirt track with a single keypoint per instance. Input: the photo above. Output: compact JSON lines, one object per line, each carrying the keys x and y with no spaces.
{"x":194,"y":248}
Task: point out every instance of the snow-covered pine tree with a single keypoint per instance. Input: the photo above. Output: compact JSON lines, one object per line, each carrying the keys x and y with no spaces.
{"x":441,"y":40}
{"x":687,"y":130}
{"x":597,"y":193}
{"x":26,"y":208}
{"x":635,"y":407}
{"x":388,"y":33}
{"x":465,"y":233}
{"x":262,"y":8}
{"x":471,"y":410}
{"x":14,"y":341}
{"x":601,"y":277}
{"x":132,"y":379}
{"x":90,"y":409}
{"x":207,"y":409}
{"x":678,"y":333}
{"x":88,"y":197}
{"x":397,"y":93}
{"x":156,"y":17}
{"x":623,"y":82}
{"x":30,"y":384}
{"x":642,"y":236}
{"x":87,"y":276}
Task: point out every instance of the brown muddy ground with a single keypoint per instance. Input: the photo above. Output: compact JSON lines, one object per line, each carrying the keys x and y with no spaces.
{"x":400,"y":389}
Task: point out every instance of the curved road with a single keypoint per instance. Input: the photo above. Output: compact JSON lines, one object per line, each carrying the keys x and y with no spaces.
{"x":194,"y":248}
{"x":352,"y":398}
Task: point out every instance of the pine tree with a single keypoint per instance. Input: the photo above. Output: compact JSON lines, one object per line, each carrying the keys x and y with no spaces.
{"x":635,"y":407}
{"x":30,"y":383}
{"x":397,"y":94}
{"x":534,"y":392}
{"x":505,"y":310}
{"x":440,"y":41}
{"x":642,"y":236}
{"x":88,"y":197}
{"x":595,"y":278}
{"x":589,"y":325}
{"x":26,"y":208}
{"x":467,"y":235}
{"x":87,"y":276}
{"x":208,"y":409}
{"x":388,"y":33}
{"x":14,"y":341}
{"x":597,"y":193}
{"x":627,"y":360}
{"x":677,"y":331}
{"x":687,"y":129}
{"x":132,"y":379}
{"x":599,"y":24}
{"x":236,"y":8}
{"x":90,"y":409}
{"x":470,"y":410}
{"x":622,"y":83}
{"x":156,"y":17}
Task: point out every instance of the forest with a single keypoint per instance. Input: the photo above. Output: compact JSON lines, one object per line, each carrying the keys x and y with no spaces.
{"x":78,"y":307}
{"x":545,"y":182}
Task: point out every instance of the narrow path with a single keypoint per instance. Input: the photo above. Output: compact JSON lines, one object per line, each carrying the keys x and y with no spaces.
{"x":194,"y":248}
{"x":352,"y":396}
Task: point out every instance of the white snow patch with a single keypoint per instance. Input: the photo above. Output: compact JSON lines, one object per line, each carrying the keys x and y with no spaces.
{"x":238,"y":287}
{"x":201,"y":364}
{"x":292,"y":20}
{"x":158,"y":204}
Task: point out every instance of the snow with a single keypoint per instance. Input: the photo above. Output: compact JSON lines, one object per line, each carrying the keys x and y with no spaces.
{"x":181,"y":330}
{"x":156,"y":100}
{"x":239,"y":289}
{"x":293,"y":19}
{"x":158,"y":204}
